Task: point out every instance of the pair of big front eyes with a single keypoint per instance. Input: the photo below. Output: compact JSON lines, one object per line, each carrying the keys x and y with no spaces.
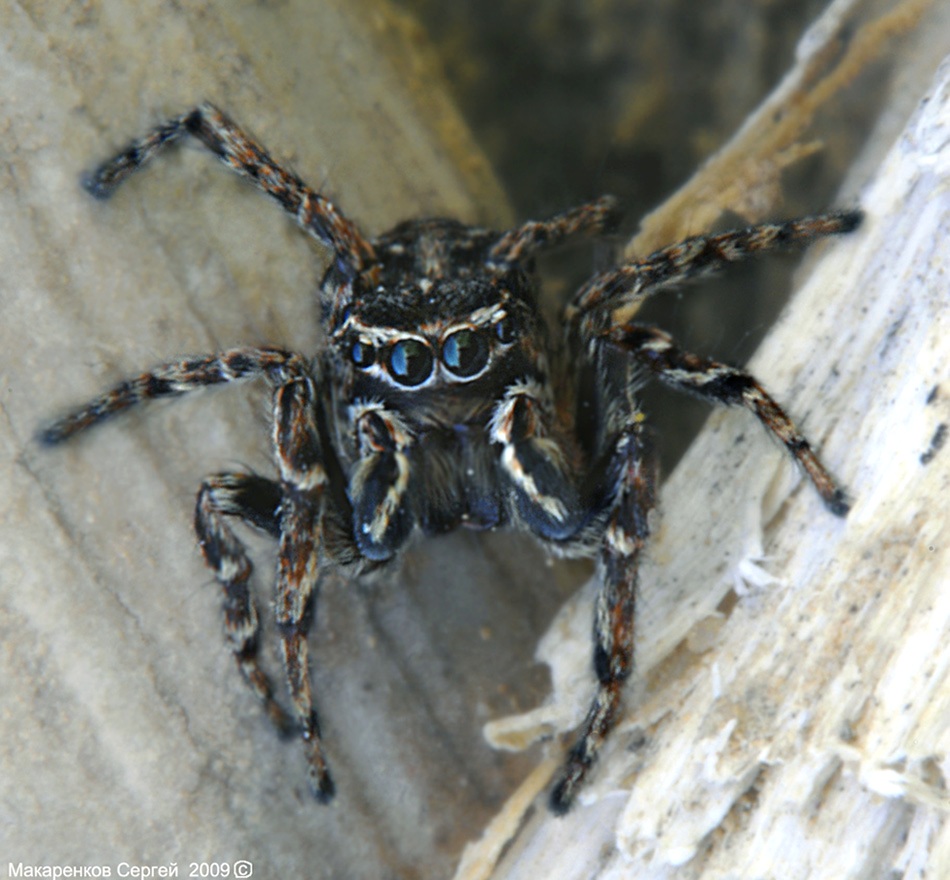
{"x":465,"y":353}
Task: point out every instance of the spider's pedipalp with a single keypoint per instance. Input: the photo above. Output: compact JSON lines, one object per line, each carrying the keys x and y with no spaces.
{"x":536,"y":465}
{"x":381,"y":518}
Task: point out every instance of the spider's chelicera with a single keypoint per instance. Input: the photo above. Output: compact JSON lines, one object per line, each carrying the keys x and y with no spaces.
{"x":439,"y":401}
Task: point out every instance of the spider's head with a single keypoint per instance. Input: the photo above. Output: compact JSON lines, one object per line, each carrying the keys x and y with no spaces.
{"x":435,"y":317}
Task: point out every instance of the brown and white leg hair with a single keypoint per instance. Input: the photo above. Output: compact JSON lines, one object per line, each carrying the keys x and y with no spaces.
{"x":534,"y":460}
{"x":381,"y":519}
{"x":720,"y":383}
{"x":254,"y":500}
{"x":173,"y":380}
{"x":633,"y":473}
{"x":523,"y":242}
{"x":611,"y":297}
{"x":314,"y":213}
{"x":303,"y":481}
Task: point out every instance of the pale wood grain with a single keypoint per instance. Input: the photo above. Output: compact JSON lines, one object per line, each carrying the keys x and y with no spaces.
{"x":126,"y":731}
{"x":792,"y":718}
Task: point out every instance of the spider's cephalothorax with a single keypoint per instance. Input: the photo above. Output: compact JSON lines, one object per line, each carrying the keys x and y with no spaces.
{"x":439,"y":401}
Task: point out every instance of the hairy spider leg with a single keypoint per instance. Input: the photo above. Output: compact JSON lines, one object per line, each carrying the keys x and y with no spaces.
{"x":314,"y":213}
{"x":173,"y":380}
{"x":613,"y":296}
{"x":632,"y":476}
{"x":254,"y":500}
{"x":594,"y":322}
{"x":627,"y":527}
{"x":720,"y":383}
{"x":523,"y":242}
{"x":302,"y":481}
{"x":545,"y":480}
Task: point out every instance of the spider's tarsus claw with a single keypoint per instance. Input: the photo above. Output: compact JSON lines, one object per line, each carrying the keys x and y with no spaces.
{"x":557,"y":803}
{"x":51,"y":435}
{"x":838,"y":503}
{"x":613,"y":214}
{"x":63,"y":429}
{"x":573,"y":774}
{"x":285,"y":726}
{"x":321,"y":785}
{"x":562,"y":797}
{"x":851,"y":220}
{"x":94,"y":184}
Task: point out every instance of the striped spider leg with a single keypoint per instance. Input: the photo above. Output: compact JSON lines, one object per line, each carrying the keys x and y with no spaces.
{"x":292,"y":509}
{"x":438,"y":401}
{"x":597,"y":326}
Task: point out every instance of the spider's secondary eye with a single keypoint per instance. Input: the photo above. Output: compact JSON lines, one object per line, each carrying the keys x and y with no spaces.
{"x":410,"y":362}
{"x":505,"y":330}
{"x":465,"y":352}
{"x":362,"y":354}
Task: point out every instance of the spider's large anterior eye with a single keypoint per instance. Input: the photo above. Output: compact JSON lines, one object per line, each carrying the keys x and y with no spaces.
{"x":465,"y":352}
{"x":410,"y":362}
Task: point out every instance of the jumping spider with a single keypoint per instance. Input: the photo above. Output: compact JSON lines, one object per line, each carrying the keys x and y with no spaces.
{"x":439,"y":401}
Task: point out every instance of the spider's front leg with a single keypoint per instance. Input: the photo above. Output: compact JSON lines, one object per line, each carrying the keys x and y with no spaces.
{"x":631,"y":480}
{"x":545,"y":487}
{"x":313,"y":212}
